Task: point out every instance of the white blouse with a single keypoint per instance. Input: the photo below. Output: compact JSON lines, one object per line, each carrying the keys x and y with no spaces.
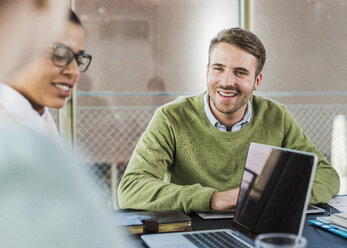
{"x":20,"y":109}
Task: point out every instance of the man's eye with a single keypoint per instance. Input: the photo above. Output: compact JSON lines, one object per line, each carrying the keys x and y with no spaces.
{"x":241,"y":73}
{"x":218,"y":68}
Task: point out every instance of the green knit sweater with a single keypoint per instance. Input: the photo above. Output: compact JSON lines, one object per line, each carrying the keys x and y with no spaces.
{"x":181,"y":159}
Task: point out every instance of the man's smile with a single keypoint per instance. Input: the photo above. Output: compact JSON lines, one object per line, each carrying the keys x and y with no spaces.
{"x":227,"y":94}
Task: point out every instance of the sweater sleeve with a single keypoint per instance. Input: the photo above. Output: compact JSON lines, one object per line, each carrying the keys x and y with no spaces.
{"x":326,"y":182}
{"x":145,"y":184}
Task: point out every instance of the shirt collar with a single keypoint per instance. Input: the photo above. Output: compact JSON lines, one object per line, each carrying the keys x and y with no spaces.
{"x":16,"y":104}
{"x":246,"y":118}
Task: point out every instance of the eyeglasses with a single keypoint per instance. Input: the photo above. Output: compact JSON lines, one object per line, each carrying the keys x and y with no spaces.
{"x":63,"y":55}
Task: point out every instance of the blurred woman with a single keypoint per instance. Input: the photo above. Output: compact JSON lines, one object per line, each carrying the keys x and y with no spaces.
{"x":47,"y":81}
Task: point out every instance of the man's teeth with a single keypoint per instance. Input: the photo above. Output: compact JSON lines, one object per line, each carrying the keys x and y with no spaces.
{"x":225,"y":94}
{"x":63,"y":87}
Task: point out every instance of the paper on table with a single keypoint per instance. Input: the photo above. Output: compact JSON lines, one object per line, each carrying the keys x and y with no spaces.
{"x":227,"y":214}
{"x":339,"y":202}
{"x":327,"y":220}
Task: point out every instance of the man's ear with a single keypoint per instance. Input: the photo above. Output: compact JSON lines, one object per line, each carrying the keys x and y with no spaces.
{"x":258,"y":81}
{"x":207,"y":69}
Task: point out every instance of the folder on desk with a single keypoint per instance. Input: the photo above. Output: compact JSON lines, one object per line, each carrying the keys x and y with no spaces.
{"x":339,"y":219}
{"x":330,"y":227}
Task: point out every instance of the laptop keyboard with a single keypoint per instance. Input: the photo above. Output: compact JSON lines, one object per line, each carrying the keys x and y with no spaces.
{"x":218,"y":239}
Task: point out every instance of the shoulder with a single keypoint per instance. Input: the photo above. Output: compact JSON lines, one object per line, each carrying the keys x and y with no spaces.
{"x":178,"y":113}
{"x":260,"y":103}
{"x":268,"y":112}
{"x":5,"y":114}
{"x":183,"y":107}
{"x":265,"y":108}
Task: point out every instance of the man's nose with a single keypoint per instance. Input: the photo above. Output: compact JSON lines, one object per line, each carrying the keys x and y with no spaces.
{"x":228,"y":78}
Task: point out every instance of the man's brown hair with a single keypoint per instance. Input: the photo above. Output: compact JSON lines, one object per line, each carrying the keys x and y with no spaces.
{"x":244,"y":40}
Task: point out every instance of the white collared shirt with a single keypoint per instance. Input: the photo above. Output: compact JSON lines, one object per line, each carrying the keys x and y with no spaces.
{"x":21,"y":110}
{"x":237,"y":126}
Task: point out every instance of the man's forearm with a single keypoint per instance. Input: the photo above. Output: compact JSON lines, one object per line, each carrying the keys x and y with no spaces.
{"x":147,"y":193}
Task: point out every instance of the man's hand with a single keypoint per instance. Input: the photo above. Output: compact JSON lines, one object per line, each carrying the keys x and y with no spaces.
{"x":224,"y":200}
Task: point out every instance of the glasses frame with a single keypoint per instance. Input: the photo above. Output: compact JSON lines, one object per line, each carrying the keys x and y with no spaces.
{"x":75,"y":56}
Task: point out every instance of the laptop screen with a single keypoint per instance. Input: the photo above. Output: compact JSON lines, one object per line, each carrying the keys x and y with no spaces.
{"x":274,"y":190}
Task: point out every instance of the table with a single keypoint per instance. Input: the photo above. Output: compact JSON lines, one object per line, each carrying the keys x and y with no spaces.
{"x":316,"y":237}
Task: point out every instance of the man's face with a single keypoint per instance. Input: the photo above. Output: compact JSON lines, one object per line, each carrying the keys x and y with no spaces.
{"x":45,"y":84}
{"x":231,"y":81}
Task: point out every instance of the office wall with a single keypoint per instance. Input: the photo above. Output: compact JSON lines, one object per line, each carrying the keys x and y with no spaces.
{"x":306,"y":47}
{"x":133,"y":41}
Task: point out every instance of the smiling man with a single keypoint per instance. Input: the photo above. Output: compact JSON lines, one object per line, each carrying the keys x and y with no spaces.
{"x":47,"y":81}
{"x":231,"y":79}
{"x":192,"y":155}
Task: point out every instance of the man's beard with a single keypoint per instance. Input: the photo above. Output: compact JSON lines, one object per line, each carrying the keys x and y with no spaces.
{"x":236,"y":106}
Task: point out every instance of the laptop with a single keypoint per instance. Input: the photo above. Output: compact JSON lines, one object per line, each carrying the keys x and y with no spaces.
{"x":274,"y":194}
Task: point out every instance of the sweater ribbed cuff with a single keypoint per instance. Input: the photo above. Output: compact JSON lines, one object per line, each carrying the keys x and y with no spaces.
{"x":200,"y":200}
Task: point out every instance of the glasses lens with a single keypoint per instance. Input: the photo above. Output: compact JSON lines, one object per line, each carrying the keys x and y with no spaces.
{"x":62,"y":56}
{"x":84,"y":61}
